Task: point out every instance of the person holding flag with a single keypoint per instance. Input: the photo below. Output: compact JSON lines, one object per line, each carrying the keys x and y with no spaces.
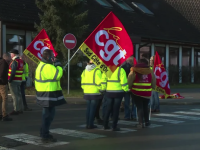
{"x":141,"y":80}
{"x":155,"y":104}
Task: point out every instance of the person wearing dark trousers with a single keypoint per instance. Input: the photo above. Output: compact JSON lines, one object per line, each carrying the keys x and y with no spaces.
{"x":23,"y":84}
{"x":116,"y":86}
{"x":141,"y":80}
{"x":97,"y":114}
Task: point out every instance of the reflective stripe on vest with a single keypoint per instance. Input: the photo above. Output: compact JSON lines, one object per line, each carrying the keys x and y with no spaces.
{"x":43,"y":81}
{"x":93,"y":79}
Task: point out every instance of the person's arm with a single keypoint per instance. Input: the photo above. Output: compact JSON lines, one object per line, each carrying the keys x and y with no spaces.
{"x":104,"y":82}
{"x":123,"y":80}
{"x":56,"y":72}
{"x":82,"y":79}
{"x":131,"y":79}
{"x":98,"y":77}
{"x":26,"y":71}
{"x":153,"y":81}
{"x":13,"y":70}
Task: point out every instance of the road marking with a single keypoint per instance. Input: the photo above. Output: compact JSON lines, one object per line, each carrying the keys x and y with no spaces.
{"x":74,"y":133}
{"x":69,"y":41}
{"x":178,"y":116}
{"x":100,"y":127}
{"x":187,"y":113}
{"x":30,"y":139}
{"x":167,"y":120}
{"x":4,"y":148}
{"x":132,"y":123}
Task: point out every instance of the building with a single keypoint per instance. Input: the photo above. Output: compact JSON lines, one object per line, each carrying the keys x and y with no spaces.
{"x":170,"y":27}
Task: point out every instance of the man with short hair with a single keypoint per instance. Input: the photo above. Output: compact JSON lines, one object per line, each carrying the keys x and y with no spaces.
{"x":14,"y":81}
{"x":23,"y":84}
{"x":4,"y":87}
{"x":48,"y":91}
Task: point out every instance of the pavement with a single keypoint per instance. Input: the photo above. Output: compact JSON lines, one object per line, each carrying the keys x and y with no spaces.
{"x":191,"y":98}
{"x":176,"y":127}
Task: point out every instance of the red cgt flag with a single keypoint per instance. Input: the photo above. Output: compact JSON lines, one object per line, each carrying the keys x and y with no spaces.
{"x":109,"y":45}
{"x":38,"y":45}
{"x":162,"y":81}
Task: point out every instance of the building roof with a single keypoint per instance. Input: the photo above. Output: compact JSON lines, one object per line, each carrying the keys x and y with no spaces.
{"x":168,"y":22}
{"x":19,"y":11}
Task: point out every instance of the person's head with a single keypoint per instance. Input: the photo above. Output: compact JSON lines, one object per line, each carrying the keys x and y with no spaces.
{"x":152,"y":60}
{"x":14,"y":53}
{"x":6,"y":57}
{"x":130,"y":60}
{"x":48,"y":55}
{"x":143,"y":61}
{"x":90,"y":62}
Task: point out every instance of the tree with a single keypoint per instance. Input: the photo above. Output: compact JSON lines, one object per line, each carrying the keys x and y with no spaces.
{"x":59,"y":17}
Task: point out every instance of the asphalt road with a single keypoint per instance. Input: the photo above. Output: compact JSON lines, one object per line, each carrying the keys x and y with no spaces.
{"x":176,"y":127}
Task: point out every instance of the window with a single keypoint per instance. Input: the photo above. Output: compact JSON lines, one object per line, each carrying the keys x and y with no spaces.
{"x":14,"y":41}
{"x":104,"y":3}
{"x":162,"y":53}
{"x":173,"y":56}
{"x":142,"y":8}
{"x":186,"y":57}
{"x":123,"y":5}
{"x":145,"y":52}
{"x":197,"y":57}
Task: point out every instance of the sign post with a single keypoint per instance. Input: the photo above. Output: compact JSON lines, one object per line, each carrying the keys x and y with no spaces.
{"x":69,"y":41}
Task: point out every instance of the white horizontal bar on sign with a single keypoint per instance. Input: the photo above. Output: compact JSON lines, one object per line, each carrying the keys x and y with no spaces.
{"x":30,"y":139}
{"x":178,"y":116}
{"x":188,"y":113}
{"x":167,"y":120}
{"x":195,"y":109}
{"x":74,"y":133}
{"x":4,"y":148}
{"x":69,"y":41}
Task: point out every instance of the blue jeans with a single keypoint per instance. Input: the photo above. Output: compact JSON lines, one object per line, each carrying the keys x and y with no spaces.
{"x":155,"y":104}
{"x":113,"y":105}
{"x":23,"y":85}
{"x":90,"y":113}
{"x":129,"y":113}
{"x":48,"y":114}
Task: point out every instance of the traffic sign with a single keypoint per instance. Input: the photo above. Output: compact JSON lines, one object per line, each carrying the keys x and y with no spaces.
{"x":69,"y":41}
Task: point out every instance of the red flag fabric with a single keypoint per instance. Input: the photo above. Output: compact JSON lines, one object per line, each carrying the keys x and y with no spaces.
{"x":134,"y":61}
{"x":38,"y":45}
{"x":162,"y":81}
{"x":109,"y":45}
{"x":172,"y":96}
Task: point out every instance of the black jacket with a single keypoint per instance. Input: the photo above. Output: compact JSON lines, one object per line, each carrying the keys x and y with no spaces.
{"x":3,"y":72}
{"x":126,"y":66}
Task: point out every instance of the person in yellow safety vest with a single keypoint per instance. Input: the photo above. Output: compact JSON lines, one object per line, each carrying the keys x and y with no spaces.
{"x":23,"y":84}
{"x":141,"y":80}
{"x":91,"y":85}
{"x":155,"y":104}
{"x":48,"y":91}
{"x":116,"y":87}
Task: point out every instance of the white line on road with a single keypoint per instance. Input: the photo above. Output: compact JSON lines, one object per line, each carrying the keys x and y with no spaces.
{"x":4,"y":148}
{"x":74,"y":133}
{"x":30,"y":139}
{"x":187,"y":113}
{"x":178,"y":116}
{"x":69,"y":41}
{"x":167,"y":120}
{"x":131,"y":123}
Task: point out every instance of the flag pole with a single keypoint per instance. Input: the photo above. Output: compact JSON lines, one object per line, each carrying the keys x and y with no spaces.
{"x":70,"y":59}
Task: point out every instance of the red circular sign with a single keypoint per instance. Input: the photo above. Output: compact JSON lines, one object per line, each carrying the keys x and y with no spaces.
{"x":69,"y":41}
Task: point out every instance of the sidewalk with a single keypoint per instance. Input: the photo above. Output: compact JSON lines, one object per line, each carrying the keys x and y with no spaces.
{"x":191,"y":98}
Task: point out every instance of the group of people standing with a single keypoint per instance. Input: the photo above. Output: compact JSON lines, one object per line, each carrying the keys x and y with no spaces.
{"x":128,"y":81}
{"x":13,"y":75}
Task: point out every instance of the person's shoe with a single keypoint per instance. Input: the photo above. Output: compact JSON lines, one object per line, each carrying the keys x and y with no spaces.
{"x":92,"y":127}
{"x":27,"y":109}
{"x":6,"y":118}
{"x":147,"y":124}
{"x":50,"y":138}
{"x":99,"y":121}
{"x":139,"y":126}
{"x":106,"y":127}
{"x":116,"y":129}
{"x":14,"y":113}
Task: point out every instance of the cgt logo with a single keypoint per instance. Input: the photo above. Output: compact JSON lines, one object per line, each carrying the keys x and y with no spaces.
{"x":162,"y":75}
{"x":40,"y":46}
{"x":110,"y":47}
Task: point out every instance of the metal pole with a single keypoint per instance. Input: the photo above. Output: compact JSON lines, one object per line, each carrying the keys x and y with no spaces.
{"x":70,"y":59}
{"x":68,"y":67}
